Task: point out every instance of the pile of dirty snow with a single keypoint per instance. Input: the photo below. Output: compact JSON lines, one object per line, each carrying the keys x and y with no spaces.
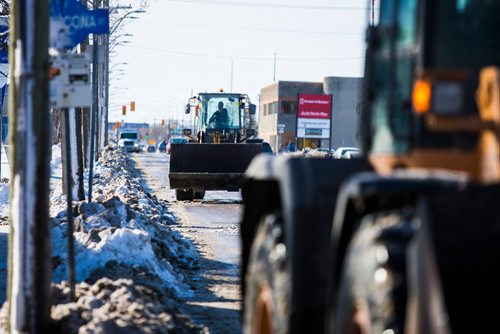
{"x":307,"y":152}
{"x":125,"y":237}
{"x":115,"y":306}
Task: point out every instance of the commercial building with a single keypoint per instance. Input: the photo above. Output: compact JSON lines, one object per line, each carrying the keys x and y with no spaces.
{"x":278,"y":109}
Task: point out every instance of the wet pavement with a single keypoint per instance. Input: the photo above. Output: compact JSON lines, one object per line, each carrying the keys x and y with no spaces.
{"x":213,"y":224}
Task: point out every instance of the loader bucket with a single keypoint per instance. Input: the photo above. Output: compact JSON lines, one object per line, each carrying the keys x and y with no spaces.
{"x":210,"y":166}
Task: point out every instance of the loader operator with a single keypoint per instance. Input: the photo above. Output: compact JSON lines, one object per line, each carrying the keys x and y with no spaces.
{"x":220,"y":118}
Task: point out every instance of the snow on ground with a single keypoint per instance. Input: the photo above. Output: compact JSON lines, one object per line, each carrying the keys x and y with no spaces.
{"x":127,"y":226}
{"x":129,"y":262}
{"x":4,"y":185}
{"x":307,"y":152}
{"x":124,"y":234}
{"x":56,"y":161}
{"x":4,"y":199}
{"x":55,"y":168}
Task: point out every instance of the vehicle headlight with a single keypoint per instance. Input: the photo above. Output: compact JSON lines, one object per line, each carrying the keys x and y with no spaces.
{"x":136,"y":145}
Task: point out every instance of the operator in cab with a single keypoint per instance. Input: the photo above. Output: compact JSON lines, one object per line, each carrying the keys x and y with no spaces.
{"x":220,"y":118}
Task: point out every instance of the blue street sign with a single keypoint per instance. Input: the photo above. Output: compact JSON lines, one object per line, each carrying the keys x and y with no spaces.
{"x":71,"y":22}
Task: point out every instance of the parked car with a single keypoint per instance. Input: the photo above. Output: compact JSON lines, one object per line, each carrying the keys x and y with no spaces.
{"x":175,"y":140}
{"x":328,"y":152}
{"x":151,"y":149}
{"x":163,"y":146}
{"x":341,"y":152}
{"x":266,"y":148}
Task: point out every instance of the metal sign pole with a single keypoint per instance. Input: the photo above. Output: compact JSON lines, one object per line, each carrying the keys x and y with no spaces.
{"x":93,"y":115}
{"x":69,"y":199}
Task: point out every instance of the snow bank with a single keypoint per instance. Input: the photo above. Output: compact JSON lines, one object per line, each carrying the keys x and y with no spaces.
{"x":130,"y":264}
{"x":307,"y":152}
{"x":128,"y":226}
{"x":125,"y":233}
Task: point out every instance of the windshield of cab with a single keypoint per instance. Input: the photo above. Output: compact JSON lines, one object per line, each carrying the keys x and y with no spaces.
{"x":130,"y":135}
{"x":221,"y":112}
{"x":466,"y":33}
{"x":178,"y":140}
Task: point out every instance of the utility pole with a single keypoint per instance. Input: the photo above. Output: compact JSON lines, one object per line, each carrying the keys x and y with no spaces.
{"x":29,"y":119}
{"x":95,"y":106}
{"x":85,"y":121}
{"x":106,"y":83}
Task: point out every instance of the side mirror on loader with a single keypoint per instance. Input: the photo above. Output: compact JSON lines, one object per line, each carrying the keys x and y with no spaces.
{"x":253,"y":109}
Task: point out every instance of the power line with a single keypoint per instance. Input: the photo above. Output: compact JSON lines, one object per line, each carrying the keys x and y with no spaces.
{"x":236,"y":57}
{"x":251,"y":29}
{"x":270,"y":5}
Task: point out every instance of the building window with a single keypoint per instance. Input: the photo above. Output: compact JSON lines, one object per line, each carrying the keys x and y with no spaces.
{"x":289,"y":107}
{"x":273,"y":108}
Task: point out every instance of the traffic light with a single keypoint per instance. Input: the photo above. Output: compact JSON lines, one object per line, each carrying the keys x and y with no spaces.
{"x":132,"y":106}
{"x":162,"y":122}
{"x":124,"y":110}
{"x":147,"y":137}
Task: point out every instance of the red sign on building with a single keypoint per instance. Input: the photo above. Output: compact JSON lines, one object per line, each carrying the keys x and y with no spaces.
{"x":315,"y":106}
{"x":313,"y":116}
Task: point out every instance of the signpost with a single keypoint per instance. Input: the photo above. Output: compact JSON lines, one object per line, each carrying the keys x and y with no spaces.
{"x":71,"y":22}
{"x":314,"y":116}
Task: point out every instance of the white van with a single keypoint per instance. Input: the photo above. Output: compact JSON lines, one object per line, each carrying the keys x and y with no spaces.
{"x":128,"y":140}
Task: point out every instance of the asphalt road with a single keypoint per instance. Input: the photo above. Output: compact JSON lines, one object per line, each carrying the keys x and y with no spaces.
{"x":213,"y":224}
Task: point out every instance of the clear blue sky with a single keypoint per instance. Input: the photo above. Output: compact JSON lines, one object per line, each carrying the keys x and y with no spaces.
{"x":179,"y":46}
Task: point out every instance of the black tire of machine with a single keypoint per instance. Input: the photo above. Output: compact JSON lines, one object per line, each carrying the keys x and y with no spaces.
{"x":372,"y":292}
{"x":184,"y":194}
{"x":199,"y":194}
{"x":266,"y":306}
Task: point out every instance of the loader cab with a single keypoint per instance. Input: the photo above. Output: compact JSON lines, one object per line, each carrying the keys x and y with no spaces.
{"x":422,"y":67}
{"x":224,"y":115}
{"x":220,"y":112}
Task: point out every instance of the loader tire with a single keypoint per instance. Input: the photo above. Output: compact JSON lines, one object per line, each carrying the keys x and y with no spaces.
{"x":266,"y":298}
{"x":184,"y":194}
{"x":199,"y":194}
{"x":372,"y":291}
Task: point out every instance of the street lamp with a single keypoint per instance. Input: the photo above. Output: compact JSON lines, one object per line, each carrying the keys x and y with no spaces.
{"x":119,"y":21}
{"x":118,"y":44}
{"x":117,"y":64}
{"x":115,"y":38}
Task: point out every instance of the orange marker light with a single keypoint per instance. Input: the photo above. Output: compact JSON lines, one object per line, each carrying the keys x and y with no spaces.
{"x":54,"y":72}
{"x":422,"y":92}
